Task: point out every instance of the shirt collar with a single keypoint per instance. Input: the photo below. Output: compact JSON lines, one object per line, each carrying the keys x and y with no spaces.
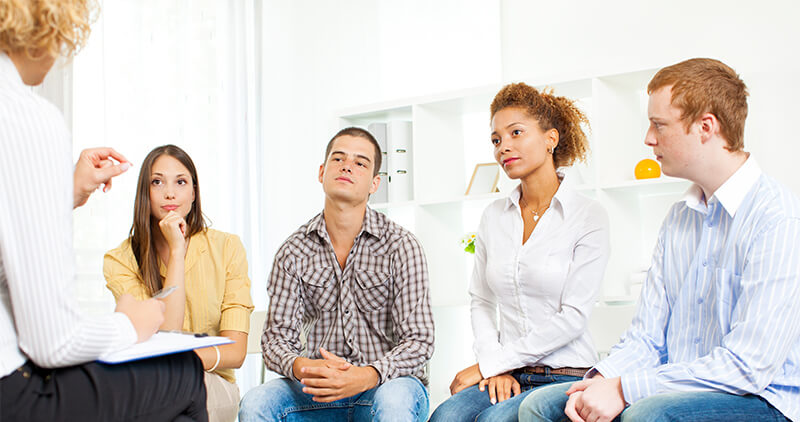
{"x":371,"y":224}
{"x":8,"y":70}
{"x":731,"y":194}
{"x":563,"y":200}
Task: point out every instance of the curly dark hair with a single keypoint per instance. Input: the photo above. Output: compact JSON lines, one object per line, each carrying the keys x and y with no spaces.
{"x":552,"y":112}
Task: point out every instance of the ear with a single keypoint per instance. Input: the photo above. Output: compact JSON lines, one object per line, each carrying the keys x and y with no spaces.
{"x":708,"y":125}
{"x":552,"y":138}
{"x":376,"y":182}
{"x":321,"y":172}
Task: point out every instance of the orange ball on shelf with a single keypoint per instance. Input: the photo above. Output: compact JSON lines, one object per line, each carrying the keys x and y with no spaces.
{"x":647,"y":169}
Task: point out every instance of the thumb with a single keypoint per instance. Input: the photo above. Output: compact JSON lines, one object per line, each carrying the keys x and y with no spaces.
{"x":106,"y":172}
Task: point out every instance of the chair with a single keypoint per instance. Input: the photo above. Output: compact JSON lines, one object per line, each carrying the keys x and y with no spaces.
{"x":257,"y":320}
{"x":608,"y":323}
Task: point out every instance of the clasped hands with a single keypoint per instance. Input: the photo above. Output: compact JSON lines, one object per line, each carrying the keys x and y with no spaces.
{"x":596,"y":399}
{"x":333,"y":378}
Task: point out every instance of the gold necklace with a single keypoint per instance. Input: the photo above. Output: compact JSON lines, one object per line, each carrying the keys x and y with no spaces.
{"x":536,"y":215}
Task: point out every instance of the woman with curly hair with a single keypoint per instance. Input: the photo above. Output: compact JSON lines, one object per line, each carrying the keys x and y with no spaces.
{"x":170,"y":245}
{"x":540,"y":255}
{"x":48,"y":347}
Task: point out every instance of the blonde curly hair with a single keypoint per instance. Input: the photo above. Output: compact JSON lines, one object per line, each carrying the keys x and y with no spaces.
{"x":38,"y":27}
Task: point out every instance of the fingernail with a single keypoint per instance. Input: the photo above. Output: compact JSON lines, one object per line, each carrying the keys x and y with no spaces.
{"x":494,"y":401}
{"x":125,"y":166}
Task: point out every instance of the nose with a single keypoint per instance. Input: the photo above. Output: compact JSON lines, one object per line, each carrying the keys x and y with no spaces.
{"x":169,"y":193}
{"x":346,"y":167}
{"x":650,"y":138}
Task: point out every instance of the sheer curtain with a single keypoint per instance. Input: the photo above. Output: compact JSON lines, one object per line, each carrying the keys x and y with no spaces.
{"x":181,"y":72}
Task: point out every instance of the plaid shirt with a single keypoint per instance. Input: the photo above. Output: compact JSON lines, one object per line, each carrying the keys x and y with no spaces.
{"x":376,"y":311}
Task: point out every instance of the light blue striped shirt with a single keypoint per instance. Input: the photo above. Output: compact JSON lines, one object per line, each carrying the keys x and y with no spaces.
{"x":720,"y":310}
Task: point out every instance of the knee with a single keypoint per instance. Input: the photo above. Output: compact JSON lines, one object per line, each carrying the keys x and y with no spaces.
{"x":658,"y":408}
{"x":544,"y":404}
{"x":401,"y":398}
{"x":267,"y":402}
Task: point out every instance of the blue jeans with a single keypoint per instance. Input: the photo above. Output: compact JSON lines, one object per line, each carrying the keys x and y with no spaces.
{"x":472,"y":404}
{"x":547,"y":404}
{"x":400,"y":399}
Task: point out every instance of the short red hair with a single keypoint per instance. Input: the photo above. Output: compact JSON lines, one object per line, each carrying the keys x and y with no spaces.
{"x":707,"y":86}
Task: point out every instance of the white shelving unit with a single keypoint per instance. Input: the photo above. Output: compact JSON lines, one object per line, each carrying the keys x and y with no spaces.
{"x":451,"y":135}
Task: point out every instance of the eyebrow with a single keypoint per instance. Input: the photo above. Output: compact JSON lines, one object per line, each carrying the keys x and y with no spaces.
{"x":508,"y":126}
{"x":357,"y":155}
{"x":177,"y":175}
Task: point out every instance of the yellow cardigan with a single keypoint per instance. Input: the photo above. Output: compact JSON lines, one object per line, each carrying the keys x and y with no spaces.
{"x":217,"y":285}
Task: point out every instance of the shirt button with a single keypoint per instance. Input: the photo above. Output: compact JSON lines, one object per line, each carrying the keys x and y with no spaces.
{"x":347,"y":311}
{"x":697,"y":340}
{"x":710,"y":224}
{"x":350,"y":341}
{"x":700,"y":301}
{"x":705,"y":263}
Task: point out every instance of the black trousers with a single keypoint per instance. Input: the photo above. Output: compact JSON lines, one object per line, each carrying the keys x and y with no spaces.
{"x":166,"y":388}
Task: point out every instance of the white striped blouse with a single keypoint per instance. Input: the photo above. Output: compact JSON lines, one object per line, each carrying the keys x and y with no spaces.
{"x":39,"y":315}
{"x":720,"y":310}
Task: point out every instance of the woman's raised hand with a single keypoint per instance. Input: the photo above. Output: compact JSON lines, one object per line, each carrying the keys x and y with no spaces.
{"x":173,"y":227}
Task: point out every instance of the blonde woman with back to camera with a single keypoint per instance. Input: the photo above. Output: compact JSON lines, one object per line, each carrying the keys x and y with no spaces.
{"x":48,"y":347}
{"x":540,"y":256}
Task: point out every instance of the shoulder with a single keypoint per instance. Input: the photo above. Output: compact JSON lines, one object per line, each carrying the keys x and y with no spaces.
{"x":301,"y":242}
{"x":589,"y":210}
{"x":395,"y":237}
{"x":219,"y":238}
{"x":769,"y":205}
{"x":122,"y":255}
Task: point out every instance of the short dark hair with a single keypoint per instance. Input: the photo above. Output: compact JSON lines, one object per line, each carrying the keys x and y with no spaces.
{"x":359,"y":133}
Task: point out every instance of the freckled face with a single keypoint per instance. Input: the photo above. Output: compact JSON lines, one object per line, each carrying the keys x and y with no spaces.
{"x":673,"y":147}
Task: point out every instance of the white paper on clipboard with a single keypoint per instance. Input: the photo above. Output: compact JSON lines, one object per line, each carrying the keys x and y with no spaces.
{"x":163,"y":343}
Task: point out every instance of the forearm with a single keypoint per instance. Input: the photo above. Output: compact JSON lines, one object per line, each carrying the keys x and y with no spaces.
{"x":176,"y":301}
{"x":231,"y":357}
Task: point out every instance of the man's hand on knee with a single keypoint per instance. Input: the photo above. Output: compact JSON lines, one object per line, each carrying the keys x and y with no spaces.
{"x":595,"y":400}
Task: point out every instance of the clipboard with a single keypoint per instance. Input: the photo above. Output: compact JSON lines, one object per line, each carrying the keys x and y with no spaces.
{"x":163,"y":343}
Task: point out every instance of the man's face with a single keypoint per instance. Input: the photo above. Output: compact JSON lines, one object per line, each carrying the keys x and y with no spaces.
{"x":347,"y":173}
{"x":674,"y":148}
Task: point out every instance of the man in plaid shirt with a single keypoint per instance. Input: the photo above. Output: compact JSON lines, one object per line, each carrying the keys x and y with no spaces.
{"x":349,"y":323}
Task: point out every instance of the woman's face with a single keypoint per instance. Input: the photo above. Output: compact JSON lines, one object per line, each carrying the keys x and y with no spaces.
{"x":520,"y":145}
{"x":171,"y":188}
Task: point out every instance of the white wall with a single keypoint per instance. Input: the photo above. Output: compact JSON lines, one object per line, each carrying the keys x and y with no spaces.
{"x":573,"y":39}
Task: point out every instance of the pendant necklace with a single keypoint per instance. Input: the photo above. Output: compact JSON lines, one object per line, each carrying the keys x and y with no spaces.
{"x":536,"y":215}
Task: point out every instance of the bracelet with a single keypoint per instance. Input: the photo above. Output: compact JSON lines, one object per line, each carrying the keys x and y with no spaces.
{"x":215,"y":363}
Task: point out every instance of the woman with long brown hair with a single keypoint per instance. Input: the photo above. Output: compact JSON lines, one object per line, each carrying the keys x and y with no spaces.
{"x":540,"y":255}
{"x":170,"y":246}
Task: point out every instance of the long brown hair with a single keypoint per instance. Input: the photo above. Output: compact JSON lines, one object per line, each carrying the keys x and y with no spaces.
{"x":141,"y":234}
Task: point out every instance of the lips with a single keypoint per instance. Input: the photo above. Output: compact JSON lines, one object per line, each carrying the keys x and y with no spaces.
{"x":510,"y":160}
{"x":170,"y":207}
{"x":344,"y":179}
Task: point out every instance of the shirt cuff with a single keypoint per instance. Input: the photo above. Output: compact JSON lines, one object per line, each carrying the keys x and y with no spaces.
{"x":383,"y":367}
{"x":235,"y":319}
{"x":287,"y":365}
{"x":125,"y":333}
{"x":497,"y":363}
{"x":638,"y":385}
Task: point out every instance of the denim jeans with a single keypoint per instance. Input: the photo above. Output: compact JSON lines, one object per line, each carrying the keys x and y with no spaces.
{"x":400,"y":399}
{"x":547,"y":404}
{"x":472,"y":404}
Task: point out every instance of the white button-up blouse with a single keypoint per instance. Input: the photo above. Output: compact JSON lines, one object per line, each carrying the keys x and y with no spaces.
{"x":530,"y":303}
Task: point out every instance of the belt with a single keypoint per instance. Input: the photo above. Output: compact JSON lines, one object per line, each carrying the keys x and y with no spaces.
{"x":546,"y":370}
